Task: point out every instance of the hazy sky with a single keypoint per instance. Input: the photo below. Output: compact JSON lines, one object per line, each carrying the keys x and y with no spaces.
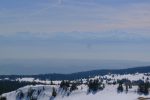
{"x":64,"y":30}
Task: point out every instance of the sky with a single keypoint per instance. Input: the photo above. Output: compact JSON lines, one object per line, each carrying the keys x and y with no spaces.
{"x":73,"y":35}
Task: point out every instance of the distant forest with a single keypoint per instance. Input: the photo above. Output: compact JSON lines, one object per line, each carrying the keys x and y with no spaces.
{"x":8,"y":86}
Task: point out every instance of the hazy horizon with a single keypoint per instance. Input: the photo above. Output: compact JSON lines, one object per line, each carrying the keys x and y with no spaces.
{"x":62,"y":66}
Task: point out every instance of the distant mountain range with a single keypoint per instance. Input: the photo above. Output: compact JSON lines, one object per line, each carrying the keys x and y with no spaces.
{"x":79,"y":75}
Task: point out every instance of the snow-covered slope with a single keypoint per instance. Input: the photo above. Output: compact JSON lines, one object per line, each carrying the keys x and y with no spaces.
{"x":44,"y":92}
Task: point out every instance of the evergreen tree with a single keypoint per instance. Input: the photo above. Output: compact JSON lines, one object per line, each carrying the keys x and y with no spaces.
{"x":120,"y":87}
{"x":130,"y":86}
{"x":38,"y":92}
{"x":52,"y":82}
{"x":62,"y":84}
{"x":54,"y":94}
{"x":30,"y":92}
{"x":65,"y":85}
{"x":43,"y":88}
{"x":144,"y":88}
{"x":95,"y":85}
{"x":73,"y":87}
{"x":20,"y":94}
{"x":126,"y":87}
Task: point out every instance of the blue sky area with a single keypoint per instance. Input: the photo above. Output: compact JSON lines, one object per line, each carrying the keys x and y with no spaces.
{"x":73,"y":34}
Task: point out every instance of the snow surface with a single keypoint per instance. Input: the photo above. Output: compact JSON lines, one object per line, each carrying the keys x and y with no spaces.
{"x":36,"y":80}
